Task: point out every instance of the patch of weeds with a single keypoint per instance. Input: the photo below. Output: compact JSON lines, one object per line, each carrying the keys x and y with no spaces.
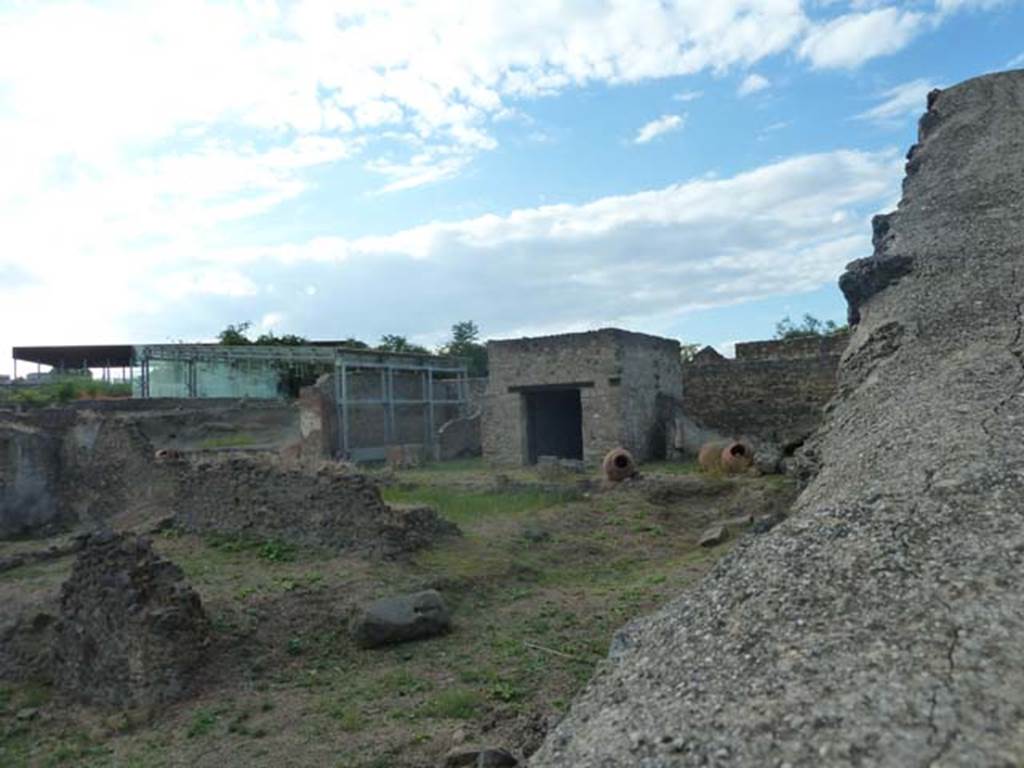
{"x":240,"y":725}
{"x":203,"y":721}
{"x":464,"y":507}
{"x":402,"y":682}
{"x":75,"y":750}
{"x":350,"y":718}
{"x":505,"y":691}
{"x":454,"y":704}
{"x":294,"y":646}
{"x":272,"y":550}
{"x":277,"y":551}
{"x":35,"y":696}
{"x":671,"y":467}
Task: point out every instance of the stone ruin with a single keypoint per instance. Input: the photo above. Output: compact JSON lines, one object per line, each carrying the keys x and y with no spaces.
{"x":330,"y":507}
{"x":131,"y":632}
{"x":881,"y":623}
{"x":68,"y":468}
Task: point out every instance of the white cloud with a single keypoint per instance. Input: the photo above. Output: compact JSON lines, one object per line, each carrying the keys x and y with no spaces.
{"x":659,"y":127}
{"x":687,"y":96}
{"x":1016,"y":61}
{"x":89,"y":79}
{"x":753,"y":83}
{"x":850,"y":40}
{"x":900,"y":103}
{"x":639,"y":260}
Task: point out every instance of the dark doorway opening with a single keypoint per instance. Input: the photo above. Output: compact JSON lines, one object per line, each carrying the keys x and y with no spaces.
{"x":554,"y":424}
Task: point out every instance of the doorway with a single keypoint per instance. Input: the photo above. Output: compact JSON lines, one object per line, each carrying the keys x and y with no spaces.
{"x":554,"y":424}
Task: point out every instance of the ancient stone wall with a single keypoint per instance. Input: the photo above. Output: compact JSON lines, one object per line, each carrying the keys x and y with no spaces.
{"x":619,"y":375}
{"x":29,"y":480}
{"x":651,"y":372}
{"x":773,"y":392}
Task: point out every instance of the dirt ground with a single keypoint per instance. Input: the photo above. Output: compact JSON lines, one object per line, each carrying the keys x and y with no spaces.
{"x":547,"y":569}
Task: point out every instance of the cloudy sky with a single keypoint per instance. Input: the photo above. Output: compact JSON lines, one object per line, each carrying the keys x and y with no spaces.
{"x":361,"y":167}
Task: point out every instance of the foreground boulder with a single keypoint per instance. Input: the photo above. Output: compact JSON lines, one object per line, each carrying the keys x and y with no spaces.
{"x":881,"y":623}
{"x":400,"y":619}
{"x":131,"y":631}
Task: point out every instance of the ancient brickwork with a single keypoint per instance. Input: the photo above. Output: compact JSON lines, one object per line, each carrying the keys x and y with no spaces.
{"x":619,"y":376}
{"x":131,"y":631}
{"x":773,"y":392}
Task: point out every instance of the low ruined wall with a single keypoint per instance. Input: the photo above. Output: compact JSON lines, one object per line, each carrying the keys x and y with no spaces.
{"x":89,"y":463}
{"x":772,"y":392}
{"x":329,"y":506}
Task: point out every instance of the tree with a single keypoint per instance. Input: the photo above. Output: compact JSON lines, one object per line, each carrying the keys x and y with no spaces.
{"x":391,"y":342}
{"x":687,"y":351}
{"x":465,"y":343}
{"x":234,"y":335}
{"x":810,"y":326}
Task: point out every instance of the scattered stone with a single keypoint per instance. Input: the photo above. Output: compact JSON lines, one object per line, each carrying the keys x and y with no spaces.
{"x":487,"y":757}
{"x":714,"y":536}
{"x":766,"y":523}
{"x":536,"y":535}
{"x":405,"y":456}
{"x":496,"y":758}
{"x":26,"y":714}
{"x":131,"y":631}
{"x":400,"y":619}
{"x":768,"y":458}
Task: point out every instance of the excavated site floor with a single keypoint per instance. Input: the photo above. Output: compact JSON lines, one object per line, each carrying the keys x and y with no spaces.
{"x":546,"y":571}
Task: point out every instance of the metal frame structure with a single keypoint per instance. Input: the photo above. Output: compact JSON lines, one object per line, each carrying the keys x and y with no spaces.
{"x":345,"y":361}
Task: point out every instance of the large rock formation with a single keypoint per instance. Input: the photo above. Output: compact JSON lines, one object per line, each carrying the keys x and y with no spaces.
{"x":882,"y":623}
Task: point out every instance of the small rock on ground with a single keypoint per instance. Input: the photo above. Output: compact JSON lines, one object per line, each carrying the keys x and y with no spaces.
{"x":714,"y":536}
{"x":400,"y":619}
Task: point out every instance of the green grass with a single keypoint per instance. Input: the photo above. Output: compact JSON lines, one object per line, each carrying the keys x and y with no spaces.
{"x":227,"y":441}
{"x":670,"y":468}
{"x":64,"y":390}
{"x":456,"y":465}
{"x":471,"y":506}
{"x":453,"y":704}
{"x":203,"y":722}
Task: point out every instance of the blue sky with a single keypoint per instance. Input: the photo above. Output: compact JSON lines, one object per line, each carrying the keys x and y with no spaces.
{"x":691,"y":169}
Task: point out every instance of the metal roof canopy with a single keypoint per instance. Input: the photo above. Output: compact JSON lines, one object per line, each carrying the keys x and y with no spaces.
{"x":123,"y":355}
{"x":71,"y":358}
{"x":318,"y":352}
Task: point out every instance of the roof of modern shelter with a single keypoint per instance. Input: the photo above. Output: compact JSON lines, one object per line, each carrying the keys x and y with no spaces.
{"x":95,"y":356}
{"x":118,"y":355}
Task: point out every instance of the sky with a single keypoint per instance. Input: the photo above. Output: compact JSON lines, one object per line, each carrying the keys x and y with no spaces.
{"x":345,"y":169}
